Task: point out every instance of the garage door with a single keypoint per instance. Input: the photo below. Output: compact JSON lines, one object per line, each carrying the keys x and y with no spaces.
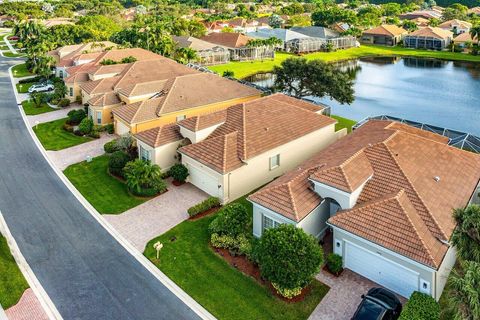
{"x":121,"y":128}
{"x":203,"y":181}
{"x":387,"y":273}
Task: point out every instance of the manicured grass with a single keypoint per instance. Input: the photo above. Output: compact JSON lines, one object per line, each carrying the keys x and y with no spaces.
{"x":12,"y":282}
{"x":54,"y":137}
{"x":107,"y":194}
{"x":244,"y":69}
{"x":31,"y":110}
{"x":4,"y":47}
{"x":224,"y":291}
{"x":8,"y":54}
{"x":20,"y":70}
{"x":343,"y":123}
{"x":23,"y":87}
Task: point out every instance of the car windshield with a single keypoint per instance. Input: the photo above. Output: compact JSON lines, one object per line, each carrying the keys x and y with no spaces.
{"x":369,"y":311}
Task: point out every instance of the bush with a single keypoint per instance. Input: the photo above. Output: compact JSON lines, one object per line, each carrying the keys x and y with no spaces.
{"x":240,"y":244}
{"x":86,"y":126}
{"x":109,"y":128}
{"x":117,"y":162}
{"x":76,"y":116}
{"x":63,"y":103}
{"x":232,"y":220}
{"x":288,"y":257}
{"x":67,"y":127}
{"x":94,"y":133}
{"x":111,"y":146}
{"x":142,"y":176}
{"x":207,"y":204}
{"x":420,"y":307}
{"x":178,"y":172}
{"x":334,"y":263}
{"x":30,"y":80}
{"x":287,"y":293}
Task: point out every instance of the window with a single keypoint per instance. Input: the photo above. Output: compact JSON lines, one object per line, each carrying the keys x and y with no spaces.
{"x":60,"y":74}
{"x":71,"y":91}
{"x":182,"y":117}
{"x":144,"y":154}
{"x":99,"y":117}
{"x":269,"y":223}
{"x":274,"y":161}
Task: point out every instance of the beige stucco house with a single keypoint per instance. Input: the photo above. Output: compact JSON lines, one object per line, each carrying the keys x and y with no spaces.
{"x":387,"y":191}
{"x":386,"y":34}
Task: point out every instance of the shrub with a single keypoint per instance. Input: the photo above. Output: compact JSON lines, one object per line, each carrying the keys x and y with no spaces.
{"x":63,"y":103}
{"x":86,"y":126}
{"x":94,"y":133}
{"x":111,"y":146}
{"x":30,"y":80}
{"x":334,"y":263}
{"x":287,"y":293}
{"x":67,"y":127}
{"x":179,"y":172}
{"x":288,"y":257}
{"x":240,"y":244}
{"x":207,"y":204}
{"x":76,"y":116}
{"x":117,"y":162}
{"x":232,"y":220}
{"x":420,"y":307}
{"x":109,"y":128}
{"x":142,"y":176}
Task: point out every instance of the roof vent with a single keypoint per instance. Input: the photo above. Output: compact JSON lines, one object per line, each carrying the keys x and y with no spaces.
{"x":266,"y":129}
{"x":436,"y":178}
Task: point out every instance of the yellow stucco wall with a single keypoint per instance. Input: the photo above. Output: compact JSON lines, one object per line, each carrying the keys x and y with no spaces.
{"x":172,"y":117}
{"x":107,"y":116}
{"x":77,"y":92}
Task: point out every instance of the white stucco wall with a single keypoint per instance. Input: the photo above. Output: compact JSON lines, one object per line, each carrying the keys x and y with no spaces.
{"x":260,"y":211}
{"x":163,"y":156}
{"x":345,"y":200}
{"x":444,"y":271}
{"x":315,"y":222}
{"x":197,"y":136}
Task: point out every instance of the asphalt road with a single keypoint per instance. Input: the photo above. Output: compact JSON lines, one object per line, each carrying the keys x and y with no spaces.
{"x":84,"y":270}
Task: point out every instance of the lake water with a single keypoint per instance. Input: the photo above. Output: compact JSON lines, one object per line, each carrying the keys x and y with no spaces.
{"x":441,"y":93}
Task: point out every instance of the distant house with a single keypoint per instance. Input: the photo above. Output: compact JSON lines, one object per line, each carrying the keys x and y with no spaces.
{"x":208,"y":53}
{"x":474,"y":10}
{"x":387,"y":34}
{"x":237,"y":46}
{"x":317,"y":32}
{"x":463,"y":38}
{"x":340,"y":27}
{"x":215,"y":26}
{"x":456,"y":26}
{"x":56,"y":21}
{"x":428,"y":38}
{"x":279,"y":33}
{"x":426,"y":14}
{"x":421,"y":22}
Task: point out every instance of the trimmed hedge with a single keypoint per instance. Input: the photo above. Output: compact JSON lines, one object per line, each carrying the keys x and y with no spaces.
{"x":63,"y":103}
{"x":334,"y":263}
{"x":178,"y":172}
{"x":118,"y":160}
{"x":203,"y":206}
{"x":111,"y":146}
{"x":420,"y":307}
{"x":146,"y":192}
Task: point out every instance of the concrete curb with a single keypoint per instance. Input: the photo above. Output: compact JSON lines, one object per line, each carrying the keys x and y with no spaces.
{"x":174,"y":288}
{"x":9,"y":45}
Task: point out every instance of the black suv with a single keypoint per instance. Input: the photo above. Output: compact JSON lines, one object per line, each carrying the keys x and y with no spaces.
{"x":378,"y":304}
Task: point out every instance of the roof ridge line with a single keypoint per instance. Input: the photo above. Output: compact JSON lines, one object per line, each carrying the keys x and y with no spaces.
{"x":292,"y":200}
{"x":166,"y":95}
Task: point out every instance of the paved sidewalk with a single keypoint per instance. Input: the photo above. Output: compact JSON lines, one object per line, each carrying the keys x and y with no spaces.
{"x":153,"y":218}
{"x":51,"y":116}
{"x":28,"y":308}
{"x":344,"y":296}
{"x":63,"y":158}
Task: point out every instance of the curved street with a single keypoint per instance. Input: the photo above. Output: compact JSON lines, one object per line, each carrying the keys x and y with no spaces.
{"x":84,"y":270}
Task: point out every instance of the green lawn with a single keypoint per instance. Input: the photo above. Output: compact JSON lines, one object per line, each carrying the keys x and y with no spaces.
{"x":20,"y":70}
{"x":54,"y":137}
{"x":343,"y":123}
{"x":23,"y":87}
{"x":244,"y":69}
{"x":31,"y":110}
{"x":224,"y":291}
{"x":12,"y":282}
{"x":107,"y":194}
{"x":8,"y":54}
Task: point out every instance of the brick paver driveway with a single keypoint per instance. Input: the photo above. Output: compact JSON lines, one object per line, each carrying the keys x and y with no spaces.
{"x":344,"y":296}
{"x":28,"y":308}
{"x":153,"y":218}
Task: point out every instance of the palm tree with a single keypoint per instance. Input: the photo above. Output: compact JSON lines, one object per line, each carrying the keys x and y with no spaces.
{"x":140,"y":175}
{"x":466,"y":237}
{"x":464,"y":294}
{"x":475,"y":32}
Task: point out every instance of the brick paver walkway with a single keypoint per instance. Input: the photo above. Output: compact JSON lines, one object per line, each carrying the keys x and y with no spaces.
{"x":153,"y":218}
{"x":28,"y":308}
{"x":63,"y":158}
{"x":344,"y":296}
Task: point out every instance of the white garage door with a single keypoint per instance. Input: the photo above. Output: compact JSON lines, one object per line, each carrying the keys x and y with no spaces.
{"x":380,"y":270}
{"x":121,"y":128}
{"x":203,"y":181}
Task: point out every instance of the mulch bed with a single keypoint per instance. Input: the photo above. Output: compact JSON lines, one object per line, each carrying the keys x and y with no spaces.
{"x":248,"y":268}
{"x":204,"y":213}
{"x":177,"y":183}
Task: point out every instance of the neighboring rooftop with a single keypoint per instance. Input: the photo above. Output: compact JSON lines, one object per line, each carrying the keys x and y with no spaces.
{"x":412,"y":181}
{"x":450,"y":24}
{"x":316,"y":32}
{"x":160,"y":136}
{"x":279,"y":33}
{"x":252,"y":128}
{"x":194,"y":43}
{"x":386,"y":30}
{"x":227,"y":39}
{"x":432,"y":32}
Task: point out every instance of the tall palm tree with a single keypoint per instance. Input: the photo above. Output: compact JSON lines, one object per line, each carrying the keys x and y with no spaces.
{"x":475,"y":32}
{"x":464,"y":294}
{"x":466,"y":237}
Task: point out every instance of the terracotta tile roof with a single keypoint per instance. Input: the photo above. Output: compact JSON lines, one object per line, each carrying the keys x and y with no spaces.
{"x":160,"y":136}
{"x":227,"y":39}
{"x":419,"y":132}
{"x":406,"y":163}
{"x":455,"y":22}
{"x":77,"y":78}
{"x":204,"y":121}
{"x":99,"y":86}
{"x":257,"y":126}
{"x":185,"y":92}
{"x":386,"y":30}
{"x":464,"y":37}
{"x":119,"y":54}
{"x":433,"y":32}
{"x":106,"y":99}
